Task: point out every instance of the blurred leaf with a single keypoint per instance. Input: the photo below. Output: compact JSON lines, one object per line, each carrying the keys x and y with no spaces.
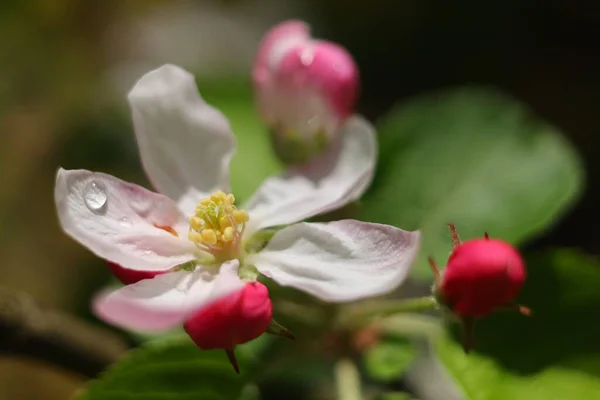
{"x":176,"y":369}
{"x":254,"y":159}
{"x":388,"y":359}
{"x":474,"y":157}
{"x":250,"y":392}
{"x":297,"y":374}
{"x":555,"y":354}
{"x":300,"y":370}
{"x":395,"y":396}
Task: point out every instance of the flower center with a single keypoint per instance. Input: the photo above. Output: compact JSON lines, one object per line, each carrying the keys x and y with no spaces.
{"x":217,"y":225}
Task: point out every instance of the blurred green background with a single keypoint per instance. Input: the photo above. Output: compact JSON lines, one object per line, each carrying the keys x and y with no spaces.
{"x":66,"y":65}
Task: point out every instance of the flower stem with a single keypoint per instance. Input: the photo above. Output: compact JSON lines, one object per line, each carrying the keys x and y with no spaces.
{"x":381,"y":308}
{"x":347,"y":380}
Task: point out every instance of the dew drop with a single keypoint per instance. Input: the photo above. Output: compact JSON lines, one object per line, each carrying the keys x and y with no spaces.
{"x":95,"y":196}
{"x":125,"y":222}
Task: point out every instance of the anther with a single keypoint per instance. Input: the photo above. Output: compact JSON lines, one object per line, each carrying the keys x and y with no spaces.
{"x":209,"y":236}
{"x":217,"y":224}
{"x":240,"y":216}
{"x":228,"y":234}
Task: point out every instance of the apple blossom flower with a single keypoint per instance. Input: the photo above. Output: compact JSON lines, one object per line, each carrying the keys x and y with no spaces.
{"x":197,"y":245}
{"x":306,"y":90}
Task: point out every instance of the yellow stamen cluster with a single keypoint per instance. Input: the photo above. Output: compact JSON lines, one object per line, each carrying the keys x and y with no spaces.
{"x":217,"y":223}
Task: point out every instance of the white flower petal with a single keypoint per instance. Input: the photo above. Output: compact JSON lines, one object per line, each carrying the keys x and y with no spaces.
{"x":184,"y":143}
{"x":118,"y":221}
{"x":163,"y":302}
{"x":323,"y":185}
{"x":339,"y":261}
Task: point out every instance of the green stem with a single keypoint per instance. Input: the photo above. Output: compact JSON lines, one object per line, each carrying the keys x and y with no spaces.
{"x":389,"y":307}
{"x":358,"y":313}
{"x":347,"y":380}
{"x":407,"y":324}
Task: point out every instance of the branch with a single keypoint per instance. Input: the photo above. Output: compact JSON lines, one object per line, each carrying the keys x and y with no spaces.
{"x":54,"y":337}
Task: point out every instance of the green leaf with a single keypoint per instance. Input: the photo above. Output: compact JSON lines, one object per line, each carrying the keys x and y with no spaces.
{"x":388,"y":359}
{"x":555,"y":354}
{"x":176,"y":369}
{"x":395,"y":396}
{"x":254,"y":159}
{"x":250,"y":392}
{"x":474,"y":157}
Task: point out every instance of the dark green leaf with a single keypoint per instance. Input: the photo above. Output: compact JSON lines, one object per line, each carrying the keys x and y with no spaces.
{"x":395,"y":396}
{"x":176,"y":369}
{"x":555,"y":354}
{"x":250,"y":392}
{"x":474,"y":157}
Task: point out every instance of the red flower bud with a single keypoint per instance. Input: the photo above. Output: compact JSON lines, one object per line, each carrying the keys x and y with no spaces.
{"x":129,"y":276}
{"x":232,"y":320}
{"x":481,"y":275}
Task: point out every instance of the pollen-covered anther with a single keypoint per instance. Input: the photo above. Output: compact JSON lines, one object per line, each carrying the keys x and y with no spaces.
{"x":217,"y":224}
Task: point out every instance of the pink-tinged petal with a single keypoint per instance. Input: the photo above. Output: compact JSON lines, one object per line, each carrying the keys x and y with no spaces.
{"x":339,"y":177}
{"x":321,"y":69}
{"x":150,"y":305}
{"x":185,"y":144}
{"x":275,"y":44}
{"x":305,"y":88}
{"x":339,"y":261}
{"x":128,"y":276}
{"x":165,"y":301}
{"x":236,"y":319}
{"x":122,"y":222}
{"x":337,"y":75}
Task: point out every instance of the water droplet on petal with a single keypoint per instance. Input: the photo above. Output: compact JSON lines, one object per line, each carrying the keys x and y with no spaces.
{"x":148,"y":252}
{"x":95,"y":196}
{"x":125,"y":222}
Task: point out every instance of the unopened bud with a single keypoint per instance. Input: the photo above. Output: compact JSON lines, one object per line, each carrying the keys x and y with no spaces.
{"x":305,"y":88}
{"x":232,"y":320}
{"x":481,"y":275}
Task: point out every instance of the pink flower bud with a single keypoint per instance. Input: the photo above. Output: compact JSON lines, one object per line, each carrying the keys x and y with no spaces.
{"x":305,"y":89}
{"x":129,"y":276}
{"x":232,"y":320}
{"x":482,"y":275}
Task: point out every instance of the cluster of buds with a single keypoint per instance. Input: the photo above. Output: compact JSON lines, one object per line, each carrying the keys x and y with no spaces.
{"x":481,"y":275}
